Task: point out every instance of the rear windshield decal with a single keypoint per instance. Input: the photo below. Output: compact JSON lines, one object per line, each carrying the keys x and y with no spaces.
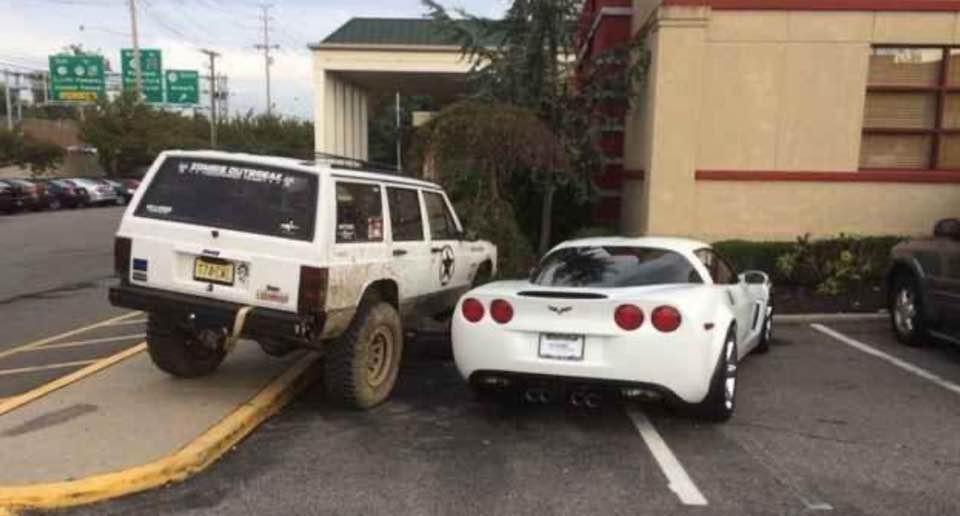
{"x":159,"y":210}
{"x":235,"y":172}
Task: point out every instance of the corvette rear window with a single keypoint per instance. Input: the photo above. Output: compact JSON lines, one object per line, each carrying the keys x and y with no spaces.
{"x":232,"y":195}
{"x":614,"y":266}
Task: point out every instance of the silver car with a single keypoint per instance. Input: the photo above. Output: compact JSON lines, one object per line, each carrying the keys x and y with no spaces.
{"x":98,"y":192}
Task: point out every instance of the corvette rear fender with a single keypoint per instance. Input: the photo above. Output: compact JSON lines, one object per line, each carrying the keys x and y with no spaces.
{"x":723,"y":322}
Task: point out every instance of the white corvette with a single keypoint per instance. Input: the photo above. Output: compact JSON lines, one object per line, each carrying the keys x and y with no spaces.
{"x":647,"y":317}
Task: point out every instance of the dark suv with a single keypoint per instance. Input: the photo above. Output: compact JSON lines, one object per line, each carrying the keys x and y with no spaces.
{"x":924,"y":286}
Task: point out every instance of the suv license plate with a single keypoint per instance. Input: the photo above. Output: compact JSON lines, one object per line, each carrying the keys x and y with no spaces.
{"x":212,"y":270}
{"x":560,"y":346}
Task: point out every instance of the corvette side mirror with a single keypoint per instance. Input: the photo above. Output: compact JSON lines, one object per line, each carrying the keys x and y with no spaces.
{"x":754,"y":278}
{"x":470,"y":235}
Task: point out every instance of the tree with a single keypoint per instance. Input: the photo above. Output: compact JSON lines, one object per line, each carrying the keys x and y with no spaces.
{"x":528,"y":58}
{"x":129,"y":134}
{"x":40,"y":157}
{"x":476,"y":149}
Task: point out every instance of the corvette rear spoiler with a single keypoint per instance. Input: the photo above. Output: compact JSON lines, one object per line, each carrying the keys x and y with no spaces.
{"x":559,"y":294}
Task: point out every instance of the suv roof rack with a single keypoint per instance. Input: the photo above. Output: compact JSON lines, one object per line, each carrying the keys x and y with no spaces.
{"x":337,"y":161}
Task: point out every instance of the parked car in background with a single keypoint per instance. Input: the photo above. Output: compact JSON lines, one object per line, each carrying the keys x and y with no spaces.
{"x":99,"y":193}
{"x":8,"y":199}
{"x":64,"y":194}
{"x":924,"y":286}
{"x":33,"y":196}
{"x":124,"y":192}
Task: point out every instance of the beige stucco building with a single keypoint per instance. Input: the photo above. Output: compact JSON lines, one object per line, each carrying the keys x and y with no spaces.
{"x":759,"y":119}
{"x":767,"y":119}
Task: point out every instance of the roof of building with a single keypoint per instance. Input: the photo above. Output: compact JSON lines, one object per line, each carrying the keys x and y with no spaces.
{"x":392,"y":31}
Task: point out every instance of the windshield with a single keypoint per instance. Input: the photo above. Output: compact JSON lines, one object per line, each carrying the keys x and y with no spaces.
{"x":231,"y":195}
{"x":614,"y":266}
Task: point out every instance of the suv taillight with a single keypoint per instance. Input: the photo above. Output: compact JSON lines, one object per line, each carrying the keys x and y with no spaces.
{"x":121,"y":256}
{"x":313,"y":290}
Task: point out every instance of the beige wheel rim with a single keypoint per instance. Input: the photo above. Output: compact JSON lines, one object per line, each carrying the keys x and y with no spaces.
{"x":379,"y":361}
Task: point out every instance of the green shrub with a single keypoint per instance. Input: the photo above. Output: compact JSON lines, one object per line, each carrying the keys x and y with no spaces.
{"x":831,"y":266}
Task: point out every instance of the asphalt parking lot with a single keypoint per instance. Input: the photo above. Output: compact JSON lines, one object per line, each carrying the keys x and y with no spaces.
{"x":836,"y":419}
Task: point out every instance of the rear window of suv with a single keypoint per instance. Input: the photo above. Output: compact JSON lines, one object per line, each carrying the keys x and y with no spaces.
{"x":614,"y":266}
{"x":233,"y":195}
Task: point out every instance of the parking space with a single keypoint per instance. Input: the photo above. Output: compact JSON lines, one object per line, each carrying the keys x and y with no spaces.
{"x":32,"y":365}
{"x":821,"y":427}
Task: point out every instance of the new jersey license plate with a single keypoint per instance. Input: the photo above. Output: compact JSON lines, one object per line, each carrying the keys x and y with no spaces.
{"x":212,"y":270}
{"x":561,"y":346}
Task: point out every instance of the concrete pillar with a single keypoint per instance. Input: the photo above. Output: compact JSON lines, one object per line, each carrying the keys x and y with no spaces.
{"x":676,"y":85}
{"x":340,"y":117}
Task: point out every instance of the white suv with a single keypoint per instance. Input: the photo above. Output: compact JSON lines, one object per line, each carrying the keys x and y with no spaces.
{"x":292,"y":254}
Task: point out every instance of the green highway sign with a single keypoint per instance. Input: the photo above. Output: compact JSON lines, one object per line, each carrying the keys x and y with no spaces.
{"x":151,"y":66}
{"x":183,"y":86}
{"x":77,"y":78}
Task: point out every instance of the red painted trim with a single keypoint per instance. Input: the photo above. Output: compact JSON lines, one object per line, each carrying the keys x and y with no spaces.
{"x":823,"y":5}
{"x":862,"y":176}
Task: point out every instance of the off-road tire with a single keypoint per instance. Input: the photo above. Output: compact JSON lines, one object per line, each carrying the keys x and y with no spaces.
{"x":174,"y":351}
{"x":715,"y":406}
{"x":915,"y":337}
{"x":351,"y":378}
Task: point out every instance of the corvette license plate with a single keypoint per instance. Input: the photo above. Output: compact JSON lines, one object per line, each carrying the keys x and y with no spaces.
{"x":560,"y":346}
{"x":212,"y":270}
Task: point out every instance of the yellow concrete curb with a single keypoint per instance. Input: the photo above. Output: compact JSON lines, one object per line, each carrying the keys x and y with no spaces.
{"x":189,"y":460}
{"x":15,"y":402}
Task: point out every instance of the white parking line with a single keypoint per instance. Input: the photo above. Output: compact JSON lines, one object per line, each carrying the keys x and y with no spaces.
{"x":902,"y":364}
{"x":677,"y":479}
{"x":124,"y":323}
{"x":73,"y":344}
{"x":45,"y":367}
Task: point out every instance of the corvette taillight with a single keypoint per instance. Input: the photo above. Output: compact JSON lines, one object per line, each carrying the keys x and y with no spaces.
{"x":501,"y":311}
{"x":666,"y":319}
{"x":628,"y":317}
{"x":472,"y":310}
{"x":313,"y":290}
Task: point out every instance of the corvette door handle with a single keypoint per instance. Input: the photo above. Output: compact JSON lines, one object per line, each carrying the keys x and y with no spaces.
{"x":436,"y":250}
{"x":399,"y":252}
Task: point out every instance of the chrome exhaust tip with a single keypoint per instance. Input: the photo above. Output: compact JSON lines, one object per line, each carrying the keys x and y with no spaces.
{"x":576,"y":398}
{"x":592,"y":400}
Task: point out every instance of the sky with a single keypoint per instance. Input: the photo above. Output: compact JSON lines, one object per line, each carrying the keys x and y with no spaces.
{"x":30,"y":30}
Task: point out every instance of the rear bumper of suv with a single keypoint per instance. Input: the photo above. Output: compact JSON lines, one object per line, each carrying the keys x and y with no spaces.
{"x":260,"y":322}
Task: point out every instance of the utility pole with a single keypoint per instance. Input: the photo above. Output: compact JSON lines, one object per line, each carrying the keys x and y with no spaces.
{"x":213,"y":96}
{"x":17,"y":76}
{"x":138,"y":73}
{"x":267,"y":47}
{"x":223,"y":97}
{"x":399,"y":136}
{"x":6,"y":99}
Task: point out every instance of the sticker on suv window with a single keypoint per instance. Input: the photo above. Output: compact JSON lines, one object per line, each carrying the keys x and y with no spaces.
{"x":236,"y":172}
{"x":159,"y":210}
